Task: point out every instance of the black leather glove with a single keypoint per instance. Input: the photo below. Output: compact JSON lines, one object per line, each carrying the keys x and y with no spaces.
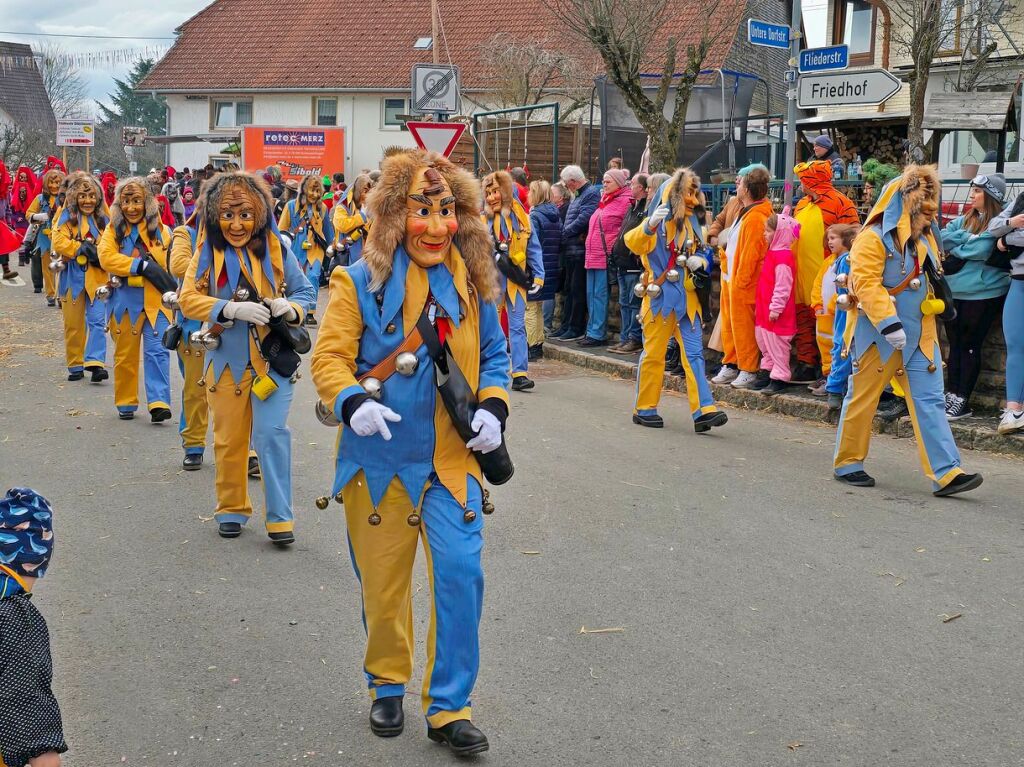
{"x":88,"y":249}
{"x":158,"y":277}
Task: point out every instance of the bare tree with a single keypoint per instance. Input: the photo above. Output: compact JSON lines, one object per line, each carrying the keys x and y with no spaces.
{"x":63,"y":82}
{"x":623,"y":32}
{"x":23,"y":147}
{"x":526,"y":72}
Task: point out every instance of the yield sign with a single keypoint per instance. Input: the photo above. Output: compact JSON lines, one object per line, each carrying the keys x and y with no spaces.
{"x":437,"y":137}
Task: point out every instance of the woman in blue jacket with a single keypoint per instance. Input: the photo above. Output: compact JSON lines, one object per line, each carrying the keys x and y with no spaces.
{"x":547,"y":223}
{"x":978,"y":289}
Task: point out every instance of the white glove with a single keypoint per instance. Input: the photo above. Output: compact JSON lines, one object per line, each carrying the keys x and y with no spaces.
{"x":40,"y":217}
{"x":287,"y":240}
{"x":371,"y":418}
{"x":897,"y":338}
{"x":247,"y":311}
{"x":695,"y":263}
{"x":660,"y":214}
{"x":535,"y":289}
{"x":488,"y":432}
{"x":281,"y":307}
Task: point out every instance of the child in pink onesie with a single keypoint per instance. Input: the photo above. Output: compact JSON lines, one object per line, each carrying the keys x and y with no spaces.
{"x":775,"y":309}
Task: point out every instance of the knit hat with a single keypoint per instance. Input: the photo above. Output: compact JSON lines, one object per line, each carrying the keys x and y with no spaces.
{"x":619,"y":176}
{"x":753,"y":166}
{"x":26,"y":537}
{"x":992,"y":184}
{"x":823,"y":141}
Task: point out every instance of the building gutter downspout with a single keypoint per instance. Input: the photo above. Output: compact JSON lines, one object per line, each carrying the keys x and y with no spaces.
{"x":886,"y":37}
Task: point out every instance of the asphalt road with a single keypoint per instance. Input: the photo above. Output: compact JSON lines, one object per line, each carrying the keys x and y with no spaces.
{"x":745,"y":608}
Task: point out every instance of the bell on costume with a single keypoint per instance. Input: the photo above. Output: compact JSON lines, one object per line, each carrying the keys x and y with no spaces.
{"x":170,"y":300}
{"x":56,"y":265}
{"x":322,"y":502}
{"x":373,"y":387}
{"x":846,"y":302}
{"x":639,"y":290}
{"x":242,"y":294}
{"x":103,"y":293}
{"x":488,"y":505}
{"x":325,"y":415}
{"x":115,"y":282}
{"x":681,"y":260}
{"x":842,"y":280}
{"x":915,"y":284}
{"x":654,"y":290}
{"x":672,"y":275}
{"x":406,"y":363}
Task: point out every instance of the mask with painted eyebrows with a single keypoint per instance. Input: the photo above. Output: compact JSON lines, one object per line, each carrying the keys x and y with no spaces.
{"x":430,"y":222}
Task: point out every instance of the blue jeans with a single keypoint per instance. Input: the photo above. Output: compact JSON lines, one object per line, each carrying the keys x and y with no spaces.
{"x":1013,"y":321}
{"x":629,"y":307}
{"x":597,"y":303}
{"x":549,"y":314}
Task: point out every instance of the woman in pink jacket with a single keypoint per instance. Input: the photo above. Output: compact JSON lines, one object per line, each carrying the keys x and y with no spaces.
{"x":775,"y":308}
{"x":601,"y":235}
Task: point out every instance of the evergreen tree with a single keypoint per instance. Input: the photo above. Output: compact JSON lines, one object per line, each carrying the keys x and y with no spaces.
{"x":134,"y":108}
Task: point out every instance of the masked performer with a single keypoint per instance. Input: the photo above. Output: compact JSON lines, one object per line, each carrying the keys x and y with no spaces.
{"x":245,"y":283}
{"x":109,"y":183}
{"x":42,"y":212}
{"x":307,"y":222}
{"x":427,"y":276}
{"x":895,"y":273}
{"x":676,"y":267}
{"x":135,"y":248}
{"x":80,"y":279}
{"x":520,"y":262}
{"x":195,"y":412}
{"x":351,"y":221}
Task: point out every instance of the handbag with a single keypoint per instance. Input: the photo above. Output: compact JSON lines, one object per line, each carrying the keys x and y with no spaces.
{"x":461,"y":403}
{"x":952,"y":264}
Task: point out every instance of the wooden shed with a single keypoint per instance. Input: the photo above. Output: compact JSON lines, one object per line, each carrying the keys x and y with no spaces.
{"x":993,"y":111}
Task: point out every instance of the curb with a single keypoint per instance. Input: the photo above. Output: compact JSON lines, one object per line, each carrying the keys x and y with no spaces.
{"x":970,"y":434}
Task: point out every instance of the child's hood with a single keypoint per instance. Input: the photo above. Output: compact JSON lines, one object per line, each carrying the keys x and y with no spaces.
{"x":786,"y":232}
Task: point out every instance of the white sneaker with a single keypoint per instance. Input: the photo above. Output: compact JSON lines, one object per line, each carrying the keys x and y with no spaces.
{"x":745,"y":380}
{"x":1011,"y":422}
{"x":726,"y":375}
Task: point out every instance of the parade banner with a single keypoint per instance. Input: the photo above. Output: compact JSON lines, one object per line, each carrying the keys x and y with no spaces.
{"x":298,"y":152}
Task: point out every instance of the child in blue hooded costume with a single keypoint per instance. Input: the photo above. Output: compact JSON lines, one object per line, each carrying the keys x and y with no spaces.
{"x":31,"y":732}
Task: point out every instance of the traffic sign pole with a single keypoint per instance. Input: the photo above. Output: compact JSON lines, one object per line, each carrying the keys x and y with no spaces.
{"x":791,"y":139}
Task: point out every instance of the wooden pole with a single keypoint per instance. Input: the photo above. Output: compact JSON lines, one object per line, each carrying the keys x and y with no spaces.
{"x":64,"y":156}
{"x":433,"y":31}
{"x":88,"y":165}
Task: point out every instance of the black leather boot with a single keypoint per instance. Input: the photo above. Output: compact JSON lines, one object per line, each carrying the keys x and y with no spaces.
{"x":461,"y":736}
{"x":386,"y":717}
{"x":229,"y":529}
{"x":652,"y":421}
{"x":192,"y":462}
{"x":960,"y":484}
{"x":286,"y":538}
{"x":705,"y":421}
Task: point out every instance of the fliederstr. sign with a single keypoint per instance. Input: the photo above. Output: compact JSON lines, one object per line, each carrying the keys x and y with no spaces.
{"x":858,"y":88}
{"x":824,"y":59}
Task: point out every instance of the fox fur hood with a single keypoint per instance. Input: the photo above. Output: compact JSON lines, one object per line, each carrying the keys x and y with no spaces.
{"x":909,"y":204}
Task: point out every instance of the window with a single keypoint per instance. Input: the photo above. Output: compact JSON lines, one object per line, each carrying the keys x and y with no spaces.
{"x":949,"y":27}
{"x":326,"y":111}
{"x":855,"y":26}
{"x":232,"y":114}
{"x":423,"y":43}
{"x":393,"y":108}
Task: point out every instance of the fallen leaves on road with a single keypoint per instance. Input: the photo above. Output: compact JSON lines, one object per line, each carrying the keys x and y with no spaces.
{"x":611,"y":630}
{"x":920,"y":549}
{"x":899,"y":581}
{"x":532,"y":553}
{"x":794,"y":745}
{"x":74,"y":412}
{"x":947,"y":618}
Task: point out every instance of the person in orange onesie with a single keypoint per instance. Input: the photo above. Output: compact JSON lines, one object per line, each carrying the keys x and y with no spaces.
{"x":750,"y":247}
{"x":821,"y":207}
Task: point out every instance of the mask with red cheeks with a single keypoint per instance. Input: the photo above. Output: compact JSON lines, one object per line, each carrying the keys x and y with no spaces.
{"x":430,"y":222}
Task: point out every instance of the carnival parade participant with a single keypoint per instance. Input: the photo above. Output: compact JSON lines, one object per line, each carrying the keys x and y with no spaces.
{"x":894,"y":276}
{"x":135,"y":248}
{"x":351,"y":221}
{"x":427,"y":276}
{"x":840,"y":240}
{"x":194,"y":419}
{"x":675,"y":258}
{"x":821,"y":207}
{"x":307,"y":221}
{"x":249,"y":288}
{"x":775,"y":311}
{"x":42,"y":212}
{"x":521,"y":264}
{"x":75,"y":237}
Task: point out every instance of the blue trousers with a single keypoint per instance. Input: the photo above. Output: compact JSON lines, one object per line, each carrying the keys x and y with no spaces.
{"x":383,"y":557}
{"x":629,"y":307}
{"x":312,"y":272}
{"x":156,"y":360}
{"x":839,"y":373}
{"x":517,"y":334}
{"x":1013,"y":330}
{"x":549,"y":314}
{"x":597,"y":303}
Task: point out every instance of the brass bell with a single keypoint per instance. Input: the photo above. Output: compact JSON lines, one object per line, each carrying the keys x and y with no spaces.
{"x":654,"y":290}
{"x":169,"y":300}
{"x":325,"y":415}
{"x":242,"y":294}
{"x":238,"y":391}
{"x":899,"y":373}
{"x":915,"y":284}
{"x":488,"y":504}
{"x":114,"y":282}
{"x":932,"y":368}
{"x":672,"y":275}
{"x":406,"y":363}
{"x":374,"y":519}
{"x":338,"y":498}
{"x":213,"y":388}
{"x":469,"y":516}
{"x":102,"y":293}
{"x":201,"y":382}
{"x":639,"y":290}
{"x":390,"y":328}
{"x":373,"y":387}
{"x":880,"y":369}
{"x":681,"y":260}
{"x":322,"y":502}
{"x":413,"y":519}
{"x":842,"y":280}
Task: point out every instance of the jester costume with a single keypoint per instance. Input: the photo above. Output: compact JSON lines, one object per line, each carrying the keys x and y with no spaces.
{"x":351,"y":222}
{"x":892,"y":331}
{"x":402,"y":467}
{"x":307,"y":221}
{"x":674,"y":256}
{"x":43,"y":212}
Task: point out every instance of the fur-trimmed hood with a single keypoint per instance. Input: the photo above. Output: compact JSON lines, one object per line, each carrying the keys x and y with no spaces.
{"x":909,"y":204}
{"x":388,"y":210}
{"x":77,"y":185}
{"x":209,"y":203}
{"x":681,"y":193}
{"x":152,"y":217}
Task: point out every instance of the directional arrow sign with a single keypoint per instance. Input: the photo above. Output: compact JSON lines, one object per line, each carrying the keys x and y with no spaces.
{"x":865,"y":86}
{"x":437,"y":137}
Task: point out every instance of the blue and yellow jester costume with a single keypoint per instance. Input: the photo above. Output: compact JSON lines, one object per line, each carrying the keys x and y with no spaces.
{"x":351,"y":222}
{"x":245,"y":395}
{"x":423,"y":483}
{"x":48,"y":205}
{"x":312,"y":233}
{"x":894,"y":306}
{"x":670,"y":306}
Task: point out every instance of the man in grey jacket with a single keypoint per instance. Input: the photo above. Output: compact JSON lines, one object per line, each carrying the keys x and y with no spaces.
{"x":574,"y":235}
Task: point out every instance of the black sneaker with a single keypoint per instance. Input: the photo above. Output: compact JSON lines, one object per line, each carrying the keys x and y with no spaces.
{"x":78,"y":375}
{"x":535,"y":352}
{"x":775,"y":387}
{"x":159,"y":414}
{"x":285,"y":538}
{"x":706,"y":421}
{"x":893,"y":410}
{"x":310,"y":320}
{"x":98,"y":375}
{"x":804,"y":373}
{"x":126,"y":415}
{"x":957,"y":408}
{"x":856,"y":479}
{"x":254,"y":467}
{"x":229,"y":529}
{"x":192,"y":462}
{"x":763,"y":379}
{"x":51,"y":301}
{"x":959,"y":484}
{"x":522,"y":383}
{"x":651,"y":421}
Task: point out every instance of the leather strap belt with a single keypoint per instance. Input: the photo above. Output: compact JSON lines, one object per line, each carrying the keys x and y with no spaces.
{"x":906,"y":282}
{"x":384,"y":369}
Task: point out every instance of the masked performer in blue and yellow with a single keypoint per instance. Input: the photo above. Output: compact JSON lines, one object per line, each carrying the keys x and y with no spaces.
{"x":404,"y":470}
{"x":42,"y":213}
{"x":195,"y":412}
{"x":676,"y":267}
{"x":135,"y":248}
{"x":308,"y":222}
{"x":82,"y":283}
{"x":895,"y":274}
{"x":520,"y":263}
{"x":351,"y":221}
{"x":245,"y":284}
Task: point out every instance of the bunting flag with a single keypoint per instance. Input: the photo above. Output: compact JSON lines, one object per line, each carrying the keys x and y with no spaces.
{"x":105,"y":59}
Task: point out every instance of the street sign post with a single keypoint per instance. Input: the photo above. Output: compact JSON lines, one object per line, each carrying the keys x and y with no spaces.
{"x":860,"y":87}
{"x":435,"y":89}
{"x":437,"y":137}
{"x":767,"y":34}
{"x":823,"y":59}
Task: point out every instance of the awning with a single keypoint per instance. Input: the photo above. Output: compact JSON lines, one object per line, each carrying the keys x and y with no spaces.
{"x":841,"y":118}
{"x":985,"y":111}
{"x":227,"y":137}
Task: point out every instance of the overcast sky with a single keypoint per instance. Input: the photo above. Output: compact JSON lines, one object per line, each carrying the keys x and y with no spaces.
{"x":118,"y":18}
